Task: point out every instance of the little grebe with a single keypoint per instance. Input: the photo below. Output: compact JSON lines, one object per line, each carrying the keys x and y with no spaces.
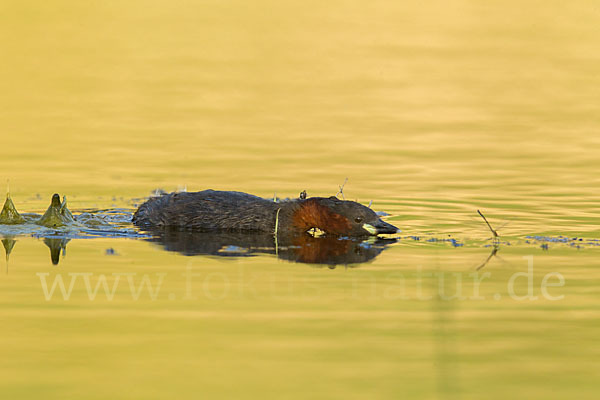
{"x":211,"y":210}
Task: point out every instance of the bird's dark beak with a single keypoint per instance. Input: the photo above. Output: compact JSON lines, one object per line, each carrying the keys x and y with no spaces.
{"x":380,"y":227}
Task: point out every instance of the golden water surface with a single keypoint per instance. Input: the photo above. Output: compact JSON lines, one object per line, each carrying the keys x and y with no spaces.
{"x":431,"y":109}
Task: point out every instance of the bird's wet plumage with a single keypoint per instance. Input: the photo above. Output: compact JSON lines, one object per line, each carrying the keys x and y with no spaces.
{"x":211,"y":210}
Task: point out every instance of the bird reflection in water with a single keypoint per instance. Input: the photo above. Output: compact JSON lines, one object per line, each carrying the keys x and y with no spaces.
{"x":303,"y":248}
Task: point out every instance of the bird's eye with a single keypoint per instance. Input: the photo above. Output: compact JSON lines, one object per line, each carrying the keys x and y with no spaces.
{"x":358,"y":220}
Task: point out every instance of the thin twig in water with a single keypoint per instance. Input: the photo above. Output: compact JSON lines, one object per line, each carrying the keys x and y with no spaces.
{"x":495,"y":235}
{"x":496,"y":241}
{"x":277,"y":221}
{"x":275,"y":233}
{"x":341,"y":191}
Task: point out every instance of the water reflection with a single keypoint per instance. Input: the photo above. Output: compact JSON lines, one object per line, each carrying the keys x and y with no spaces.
{"x":9,"y":243}
{"x":493,"y":253}
{"x":303,"y":248}
{"x":56,"y":245}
